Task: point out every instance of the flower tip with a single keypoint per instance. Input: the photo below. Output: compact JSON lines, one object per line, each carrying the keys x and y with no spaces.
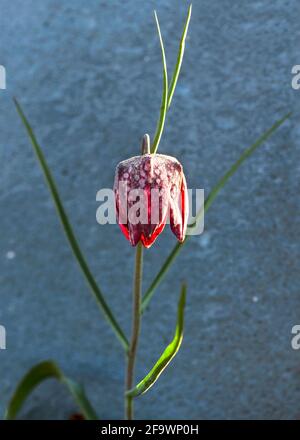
{"x":146,"y":144}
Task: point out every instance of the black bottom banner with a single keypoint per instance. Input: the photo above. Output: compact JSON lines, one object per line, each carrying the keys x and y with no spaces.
{"x":142,"y":428}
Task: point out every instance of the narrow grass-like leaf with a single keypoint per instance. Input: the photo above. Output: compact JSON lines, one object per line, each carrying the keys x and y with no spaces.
{"x":160,"y":275}
{"x":247,"y":153}
{"x":167,"y":355}
{"x":179,"y":57}
{"x":37,"y":374}
{"x":208,"y":202}
{"x":69,"y":232}
{"x":164,"y":100}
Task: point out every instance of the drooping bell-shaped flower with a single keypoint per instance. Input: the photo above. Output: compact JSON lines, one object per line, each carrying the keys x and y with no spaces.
{"x":150,"y":190}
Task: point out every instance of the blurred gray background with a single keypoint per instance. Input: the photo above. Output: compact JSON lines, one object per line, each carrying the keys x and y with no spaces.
{"x":88,"y":75}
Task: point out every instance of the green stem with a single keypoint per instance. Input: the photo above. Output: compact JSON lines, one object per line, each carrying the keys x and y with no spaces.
{"x":164,"y":100}
{"x":136,"y":323}
{"x":179,"y":58}
{"x":167,"y":93}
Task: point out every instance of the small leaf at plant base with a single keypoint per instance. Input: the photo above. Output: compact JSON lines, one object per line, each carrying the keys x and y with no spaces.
{"x":37,"y":374}
{"x":167,"y":355}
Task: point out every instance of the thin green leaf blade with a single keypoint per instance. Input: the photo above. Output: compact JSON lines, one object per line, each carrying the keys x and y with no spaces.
{"x":80,"y":398}
{"x":36,"y":375}
{"x":168,"y":354}
{"x":245,"y":155}
{"x":164,"y":99}
{"x":208,"y":202}
{"x":179,"y":57}
{"x":160,"y":275}
{"x":69,"y":231}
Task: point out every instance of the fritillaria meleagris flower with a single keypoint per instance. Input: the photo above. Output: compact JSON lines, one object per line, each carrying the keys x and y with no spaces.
{"x":149,"y":190}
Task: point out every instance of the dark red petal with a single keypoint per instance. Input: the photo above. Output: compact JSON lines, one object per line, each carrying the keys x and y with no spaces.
{"x":148,"y":240}
{"x":179,"y":211}
{"x":124,"y":229}
{"x":118,"y":207}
